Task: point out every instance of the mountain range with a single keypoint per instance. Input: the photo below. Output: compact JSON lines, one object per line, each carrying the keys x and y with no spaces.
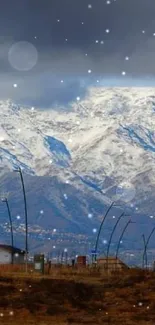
{"x":76,"y":160}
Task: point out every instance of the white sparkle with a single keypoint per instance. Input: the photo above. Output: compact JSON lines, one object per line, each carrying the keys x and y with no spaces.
{"x":102,"y":42}
{"x":77,"y":98}
{"x":18,"y":217}
{"x":104,"y":241}
{"x":96,"y":41}
{"x":11,"y":313}
{"x":86,"y":54}
{"x":67,"y":182}
{"x":126,"y":58}
{"x":140,"y":304}
{"x":58,"y":20}
{"x":35,"y":37}
{"x":2,"y":139}
{"x":32,"y":108}
{"x":82,"y":23}
{"x":50,"y":161}
{"x":114,"y":217}
{"x":121,"y":241}
{"x":89,"y":71}
{"x":108,"y":2}
{"x":123,"y":73}
{"x":66,"y":39}
{"x":153,"y":34}
{"x":54,"y":230}
{"x":151,"y":217}
{"x":107,"y":30}
{"x":94,"y":230}
{"x":89,"y":6}
{"x":90,"y":215}
{"x":65,"y":250}
{"x":15,"y":85}
{"x":143,"y":31}
{"x":62,"y":81}
{"x":97,"y":80}
{"x":41,"y":211}
{"x":54,"y":247}
{"x":65,"y":196}
{"x":19,"y":130}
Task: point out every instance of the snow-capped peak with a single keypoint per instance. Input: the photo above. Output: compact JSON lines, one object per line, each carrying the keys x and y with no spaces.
{"x":109,"y":133}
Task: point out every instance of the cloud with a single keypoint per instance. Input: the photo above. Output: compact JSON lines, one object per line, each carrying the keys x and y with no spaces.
{"x":42,"y":86}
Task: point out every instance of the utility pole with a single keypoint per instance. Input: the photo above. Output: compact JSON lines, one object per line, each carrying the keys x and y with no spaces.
{"x":101,"y":225}
{"x":144,"y":257}
{"x":26,"y":221}
{"x":146,"y":244}
{"x":113,"y":204}
{"x":114,"y":228}
{"x":4,"y":199}
{"x":121,"y":236}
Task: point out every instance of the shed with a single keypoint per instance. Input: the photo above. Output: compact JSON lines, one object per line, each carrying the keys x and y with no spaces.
{"x":113,"y":264}
{"x":6,"y":252}
{"x":81,"y":261}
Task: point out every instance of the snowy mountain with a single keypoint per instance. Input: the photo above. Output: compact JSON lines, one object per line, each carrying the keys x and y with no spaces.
{"x":102,"y":144}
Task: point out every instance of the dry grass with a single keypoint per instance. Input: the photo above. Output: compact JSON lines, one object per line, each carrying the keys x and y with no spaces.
{"x":78,"y":297}
{"x":62,"y":272}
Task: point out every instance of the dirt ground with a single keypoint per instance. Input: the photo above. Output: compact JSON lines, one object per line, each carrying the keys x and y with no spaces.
{"x":127,"y":299}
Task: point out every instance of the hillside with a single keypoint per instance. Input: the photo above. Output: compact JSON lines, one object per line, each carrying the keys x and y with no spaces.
{"x":67,"y":298}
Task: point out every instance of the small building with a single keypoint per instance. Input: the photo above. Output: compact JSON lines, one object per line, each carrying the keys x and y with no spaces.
{"x":112,"y":263}
{"x":6,"y":252}
{"x":81,"y":261}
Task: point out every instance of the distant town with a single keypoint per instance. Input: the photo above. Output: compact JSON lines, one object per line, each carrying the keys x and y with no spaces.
{"x":52,"y":242}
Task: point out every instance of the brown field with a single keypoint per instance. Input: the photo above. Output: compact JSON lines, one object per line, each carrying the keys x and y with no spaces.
{"x":76,"y":296}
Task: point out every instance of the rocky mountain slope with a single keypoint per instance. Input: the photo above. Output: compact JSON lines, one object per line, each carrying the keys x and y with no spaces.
{"x":100,"y":148}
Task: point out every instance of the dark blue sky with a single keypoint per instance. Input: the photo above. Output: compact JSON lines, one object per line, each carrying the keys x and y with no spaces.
{"x":69,"y":48}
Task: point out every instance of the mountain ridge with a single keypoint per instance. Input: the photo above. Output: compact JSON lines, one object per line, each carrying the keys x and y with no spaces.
{"x":102,"y":147}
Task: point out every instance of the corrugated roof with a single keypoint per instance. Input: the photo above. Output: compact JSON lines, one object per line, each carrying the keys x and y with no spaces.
{"x":109,"y":258}
{"x":10,"y":248}
{"x":112,"y":259}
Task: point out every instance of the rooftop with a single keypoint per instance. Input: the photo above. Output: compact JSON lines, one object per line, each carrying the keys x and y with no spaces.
{"x":112,"y":259}
{"x":10,"y":249}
